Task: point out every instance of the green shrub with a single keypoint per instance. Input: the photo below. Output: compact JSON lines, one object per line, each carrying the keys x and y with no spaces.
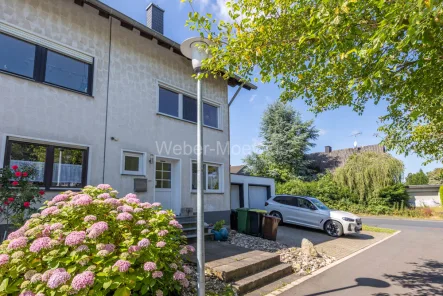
{"x":441,"y":195}
{"x":91,"y":243}
{"x":219,"y":225}
{"x":393,"y":194}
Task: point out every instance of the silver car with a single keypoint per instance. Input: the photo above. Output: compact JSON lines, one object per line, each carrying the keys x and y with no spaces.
{"x":310,"y":212}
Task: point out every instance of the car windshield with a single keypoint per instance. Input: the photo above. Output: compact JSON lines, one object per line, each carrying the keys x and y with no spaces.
{"x":319,"y":204}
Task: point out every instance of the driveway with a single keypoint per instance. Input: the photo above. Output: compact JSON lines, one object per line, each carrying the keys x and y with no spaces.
{"x":292,"y":236}
{"x":408,"y":264}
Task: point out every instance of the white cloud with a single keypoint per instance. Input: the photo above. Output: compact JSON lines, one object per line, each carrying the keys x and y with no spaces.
{"x":252,"y":98}
{"x":322,"y":132}
{"x":216,"y":7}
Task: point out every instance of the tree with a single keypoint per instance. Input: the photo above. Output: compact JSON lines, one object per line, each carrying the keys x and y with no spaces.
{"x":436,"y":176}
{"x":286,"y":140}
{"x":342,"y":53}
{"x":367,"y":173}
{"x":419,"y":178}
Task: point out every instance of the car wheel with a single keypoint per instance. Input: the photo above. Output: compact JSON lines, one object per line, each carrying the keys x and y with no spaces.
{"x":278,"y":215}
{"x":334,"y":228}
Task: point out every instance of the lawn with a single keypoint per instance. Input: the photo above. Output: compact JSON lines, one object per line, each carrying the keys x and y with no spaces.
{"x":378,"y":229}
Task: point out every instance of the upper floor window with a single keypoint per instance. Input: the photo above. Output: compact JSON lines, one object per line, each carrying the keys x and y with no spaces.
{"x":44,"y":65}
{"x":54,"y":166}
{"x":184,"y":107}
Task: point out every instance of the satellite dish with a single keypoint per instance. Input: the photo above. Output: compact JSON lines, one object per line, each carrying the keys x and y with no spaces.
{"x":355,"y":144}
{"x":355,"y":135}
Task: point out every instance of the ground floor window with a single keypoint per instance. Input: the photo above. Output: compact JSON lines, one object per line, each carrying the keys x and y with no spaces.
{"x":211,"y":177}
{"x":133,"y":163}
{"x":54,"y":166}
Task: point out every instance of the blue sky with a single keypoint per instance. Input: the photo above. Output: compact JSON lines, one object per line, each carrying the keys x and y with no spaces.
{"x":335,"y":126}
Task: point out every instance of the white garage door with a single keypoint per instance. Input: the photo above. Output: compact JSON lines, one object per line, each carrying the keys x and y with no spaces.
{"x":258,"y":195}
{"x":235,"y":197}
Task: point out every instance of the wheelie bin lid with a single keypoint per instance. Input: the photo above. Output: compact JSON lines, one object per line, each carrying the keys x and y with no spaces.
{"x":258,"y":211}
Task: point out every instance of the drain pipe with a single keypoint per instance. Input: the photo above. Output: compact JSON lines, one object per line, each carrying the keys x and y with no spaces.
{"x":235,"y":95}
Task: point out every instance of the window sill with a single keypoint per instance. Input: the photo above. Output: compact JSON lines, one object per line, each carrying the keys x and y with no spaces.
{"x":188,"y":121}
{"x":133,"y":175}
{"x":55,"y":189}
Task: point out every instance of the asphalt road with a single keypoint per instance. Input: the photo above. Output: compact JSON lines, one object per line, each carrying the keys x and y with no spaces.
{"x":408,"y":264}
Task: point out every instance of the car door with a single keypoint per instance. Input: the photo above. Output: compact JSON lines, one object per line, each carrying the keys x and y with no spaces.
{"x":285,"y":208}
{"x":308,"y":213}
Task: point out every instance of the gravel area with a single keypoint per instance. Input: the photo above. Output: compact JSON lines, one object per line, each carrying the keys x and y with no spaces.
{"x":255,"y":243}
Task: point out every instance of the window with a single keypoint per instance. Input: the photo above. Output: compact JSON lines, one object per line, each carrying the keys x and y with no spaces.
{"x":286,"y":200}
{"x":163,"y":175}
{"x":305,"y":204}
{"x":133,"y":163}
{"x":168,"y":102}
{"x":211,"y":177}
{"x":16,"y":56}
{"x":54,"y":166}
{"x":184,"y":107}
{"x":43,"y":65}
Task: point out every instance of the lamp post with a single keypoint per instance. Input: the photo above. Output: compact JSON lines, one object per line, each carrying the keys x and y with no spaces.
{"x":190,"y":49}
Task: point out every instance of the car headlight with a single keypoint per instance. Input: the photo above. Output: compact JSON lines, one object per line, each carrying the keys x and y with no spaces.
{"x":348,"y":219}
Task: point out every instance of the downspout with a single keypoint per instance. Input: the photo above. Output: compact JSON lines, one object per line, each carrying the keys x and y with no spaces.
{"x":107,"y":99}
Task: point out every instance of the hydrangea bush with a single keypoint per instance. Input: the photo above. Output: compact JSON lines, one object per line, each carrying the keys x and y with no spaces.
{"x":92,"y":243}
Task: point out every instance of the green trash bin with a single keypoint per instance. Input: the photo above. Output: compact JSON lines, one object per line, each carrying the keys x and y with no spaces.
{"x":243,"y":220}
{"x":256,"y":222}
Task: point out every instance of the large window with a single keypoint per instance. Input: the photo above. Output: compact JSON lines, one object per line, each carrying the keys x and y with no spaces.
{"x":184,"y":107}
{"x":211,"y":177}
{"x":43,"y":65}
{"x":54,"y":166}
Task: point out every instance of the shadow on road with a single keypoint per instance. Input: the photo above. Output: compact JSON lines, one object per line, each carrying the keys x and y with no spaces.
{"x":361,"y":282}
{"x":425,"y":279}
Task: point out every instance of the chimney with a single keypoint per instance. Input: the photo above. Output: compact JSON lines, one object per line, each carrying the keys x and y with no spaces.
{"x":328,"y":149}
{"x":155,"y":17}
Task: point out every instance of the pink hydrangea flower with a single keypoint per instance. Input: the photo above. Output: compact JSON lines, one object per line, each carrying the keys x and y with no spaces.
{"x":159,"y":293}
{"x":56,"y":226}
{"x":144,"y":243}
{"x":27,"y":293}
{"x":144,"y":231}
{"x":35,"y":215}
{"x":102,"y":253}
{"x":163,"y":233}
{"x":133,"y":249}
{"x":83,"y":280}
{"x":60,"y":197}
{"x":187,"y":269}
{"x":46,"y":230}
{"x":4,"y":259}
{"x":104,"y":186}
{"x":36,"y":278}
{"x":124,"y":216}
{"x":156,"y":204}
{"x":40,"y":244}
{"x":61,"y":204}
{"x":175,"y":223}
{"x":58,"y":278}
{"x":132,"y":200}
{"x":184,"y":283}
{"x":140,"y":222}
{"x":90,"y":218}
{"x":112,"y":201}
{"x":50,"y":203}
{"x":18,"y":243}
{"x":183,"y":251}
{"x":162,"y":212}
{"x":173,"y":266}
{"x":146,"y":205}
{"x":97,"y":229}
{"x":104,"y":196}
{"x":178,"y":275}
{"x":123,"y":265}
{"x":138,"y":210}
{"x":82,"y":200}
{"x":28,"y":275}
{"x":82,"y":248}
{"x":161,"y":244}
{"x":149,"y":266}
{"x":125,"y":208}
{"x":75,"y":238}
{"x":157,"y":274}
{"x":131,"y":195}
{"x":50,"y":211}
{"x":47,"y":274}
{"x":190,"y":248}
{"x":18,"y":233}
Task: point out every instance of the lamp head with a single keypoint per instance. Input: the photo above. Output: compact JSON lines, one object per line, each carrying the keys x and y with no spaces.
{"x":190,"y":49}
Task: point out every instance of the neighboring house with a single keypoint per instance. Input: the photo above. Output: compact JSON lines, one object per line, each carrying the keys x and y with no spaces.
{"x":333,"y":159}
{"x":90,"y":96}
{"x":238,"y":169}
{"x":424,"y":195}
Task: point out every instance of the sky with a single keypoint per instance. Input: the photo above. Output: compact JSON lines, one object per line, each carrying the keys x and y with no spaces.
{"x":336,"y":127}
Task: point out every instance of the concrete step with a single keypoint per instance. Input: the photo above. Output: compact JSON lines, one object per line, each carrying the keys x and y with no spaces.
{"x":183,"y":219}
{"x":192,"y":238}
{"x":262,"y":278}
{"x":233,"y":268}
{"x":189,"y":224}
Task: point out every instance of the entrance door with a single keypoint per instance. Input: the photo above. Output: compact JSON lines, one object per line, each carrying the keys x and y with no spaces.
{"x":163,"y":184}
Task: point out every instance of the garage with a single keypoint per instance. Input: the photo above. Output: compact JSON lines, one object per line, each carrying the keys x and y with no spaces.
{"x":258,"y":195}
{"x":235,"y":196}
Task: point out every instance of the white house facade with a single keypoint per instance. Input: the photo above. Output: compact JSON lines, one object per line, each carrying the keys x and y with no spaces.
{"x":90,"y":96}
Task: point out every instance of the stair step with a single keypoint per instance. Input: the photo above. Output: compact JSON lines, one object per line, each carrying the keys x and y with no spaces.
{"x":244,"y":266}
{"x":261,"y":279}
{"x":193,"y":237}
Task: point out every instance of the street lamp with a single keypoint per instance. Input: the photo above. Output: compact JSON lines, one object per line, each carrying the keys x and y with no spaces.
{"x":190,"y":48}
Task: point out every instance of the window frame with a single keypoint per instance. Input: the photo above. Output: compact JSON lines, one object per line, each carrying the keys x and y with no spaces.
{"x":141,"y":162}
{"x":181,"y":94}
{"x":220,"y":177}
{"x":49,"y":160}
{"x":40,"y":59}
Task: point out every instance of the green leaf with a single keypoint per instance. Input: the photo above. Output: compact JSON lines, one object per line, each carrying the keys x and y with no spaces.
{"x":123,"y":291}
{"x":4,"y":284}
{"x":107,"y":284}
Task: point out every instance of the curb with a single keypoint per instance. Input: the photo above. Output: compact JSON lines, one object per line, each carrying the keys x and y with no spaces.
{"x":321,"y":270}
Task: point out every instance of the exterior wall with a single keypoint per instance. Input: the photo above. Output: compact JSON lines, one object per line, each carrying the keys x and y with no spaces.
{"x":246,"y":181}
{"x":137,"y":65}
{"x":424,"y":195}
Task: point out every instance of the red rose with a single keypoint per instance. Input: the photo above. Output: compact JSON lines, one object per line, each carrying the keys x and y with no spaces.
{"x":18,"y":174}
{"x":11,"y":199}
{"x":26,"y":204}
{"x":6,"y":203}
{"x":15,"y":183}
{"x":14,"y":167}
{"x":41,"y":192}
{"x":25,"y":174}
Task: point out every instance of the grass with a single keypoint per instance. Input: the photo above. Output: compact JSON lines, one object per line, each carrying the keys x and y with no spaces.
{"x":378,"y":229}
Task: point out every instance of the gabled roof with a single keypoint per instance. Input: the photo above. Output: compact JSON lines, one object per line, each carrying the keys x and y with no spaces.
{"x":129,"y":23}
{"x":237,"y":169}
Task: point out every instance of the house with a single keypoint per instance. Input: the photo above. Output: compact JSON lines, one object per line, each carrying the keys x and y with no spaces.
{"x":329,"y":160}
{"x":89,"y":95}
